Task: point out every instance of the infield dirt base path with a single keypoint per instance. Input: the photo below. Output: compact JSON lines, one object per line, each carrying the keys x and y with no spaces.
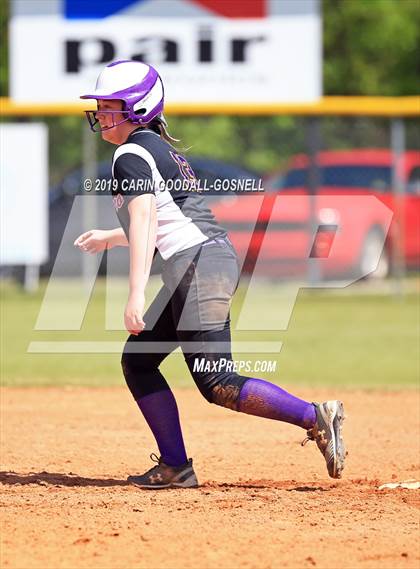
{"x":264,"y":501}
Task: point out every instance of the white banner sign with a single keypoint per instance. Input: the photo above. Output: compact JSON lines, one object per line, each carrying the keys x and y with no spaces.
{"x":23,"y":194}
{"x":270,"y":59}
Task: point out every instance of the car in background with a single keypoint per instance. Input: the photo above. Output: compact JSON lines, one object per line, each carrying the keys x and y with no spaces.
{"x":340,"y":173}
{"x":61,"y":200}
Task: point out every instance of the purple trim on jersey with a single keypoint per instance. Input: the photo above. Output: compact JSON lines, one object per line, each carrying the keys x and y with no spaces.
{"x":184,"y":167}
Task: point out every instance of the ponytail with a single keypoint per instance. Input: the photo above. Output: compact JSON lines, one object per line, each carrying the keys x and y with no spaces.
{"x":160,"y":127}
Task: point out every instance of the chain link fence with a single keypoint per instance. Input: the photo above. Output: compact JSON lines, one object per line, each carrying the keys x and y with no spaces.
{"x":313,"y":219}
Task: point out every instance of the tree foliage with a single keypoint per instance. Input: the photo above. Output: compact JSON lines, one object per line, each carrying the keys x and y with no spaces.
{"x":371,"y":47}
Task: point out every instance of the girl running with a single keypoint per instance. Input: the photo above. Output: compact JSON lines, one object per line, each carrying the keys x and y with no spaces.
{"x":158,"y":206}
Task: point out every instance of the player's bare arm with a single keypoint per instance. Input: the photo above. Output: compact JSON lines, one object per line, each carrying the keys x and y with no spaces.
{"x":98,"y":240}
{"x":143,"y":223}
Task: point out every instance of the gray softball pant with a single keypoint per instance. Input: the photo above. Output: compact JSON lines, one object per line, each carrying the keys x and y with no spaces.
{"x":191,"y":310}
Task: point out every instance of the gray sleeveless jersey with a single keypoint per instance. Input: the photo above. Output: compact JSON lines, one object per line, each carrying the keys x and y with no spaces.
{"x":147,"y":164}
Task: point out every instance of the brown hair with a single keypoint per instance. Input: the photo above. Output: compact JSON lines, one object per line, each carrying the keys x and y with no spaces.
{"x":160,"y":127}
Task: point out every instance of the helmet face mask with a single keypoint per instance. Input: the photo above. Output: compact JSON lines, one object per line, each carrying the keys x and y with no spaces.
{"x":95,"y":124}
{"x":136,"y":84}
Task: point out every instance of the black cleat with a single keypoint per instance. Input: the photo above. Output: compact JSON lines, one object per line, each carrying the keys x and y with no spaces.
{"x":327,"y":434}
{"x":165,"y":476}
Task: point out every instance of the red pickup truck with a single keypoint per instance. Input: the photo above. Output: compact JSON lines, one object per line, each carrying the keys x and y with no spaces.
{"x":340,"y":225}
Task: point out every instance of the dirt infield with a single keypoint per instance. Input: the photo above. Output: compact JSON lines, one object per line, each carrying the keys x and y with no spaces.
{"x":264,"y":501}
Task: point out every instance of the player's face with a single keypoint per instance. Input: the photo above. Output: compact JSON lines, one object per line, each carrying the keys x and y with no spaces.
{"x":116,"y":134}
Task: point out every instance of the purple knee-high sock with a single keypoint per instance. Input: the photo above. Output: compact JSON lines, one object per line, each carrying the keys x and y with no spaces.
{"x":161,"y":413}
{"x":264,"y":399}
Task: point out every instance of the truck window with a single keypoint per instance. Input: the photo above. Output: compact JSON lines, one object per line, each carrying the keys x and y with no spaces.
{"x":375,"y":178}
{"x":413,"y":185}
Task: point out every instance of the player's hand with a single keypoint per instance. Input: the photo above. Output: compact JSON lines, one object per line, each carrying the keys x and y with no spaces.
{"x":133,"y":315}
{"x":93,"y":241}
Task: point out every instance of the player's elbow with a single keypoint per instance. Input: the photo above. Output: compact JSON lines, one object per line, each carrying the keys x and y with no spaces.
{"x":143,"y":206}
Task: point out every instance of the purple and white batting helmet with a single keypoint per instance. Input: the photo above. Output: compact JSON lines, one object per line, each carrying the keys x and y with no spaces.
{"x":136,"y":84}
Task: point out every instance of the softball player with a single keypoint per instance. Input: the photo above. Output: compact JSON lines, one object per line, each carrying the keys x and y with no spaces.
{"x":200,"y":275}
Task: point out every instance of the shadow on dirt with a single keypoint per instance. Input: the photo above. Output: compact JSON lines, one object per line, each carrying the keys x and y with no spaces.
{"x":57,"y":479}
{"x":264,"y":484}
{"x":307,"y":489}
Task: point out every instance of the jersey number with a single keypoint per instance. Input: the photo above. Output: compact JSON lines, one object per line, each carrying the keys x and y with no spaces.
{"x":186,"y":171}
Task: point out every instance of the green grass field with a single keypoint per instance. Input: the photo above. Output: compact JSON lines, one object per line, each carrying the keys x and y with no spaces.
{"x":360,"y":340}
